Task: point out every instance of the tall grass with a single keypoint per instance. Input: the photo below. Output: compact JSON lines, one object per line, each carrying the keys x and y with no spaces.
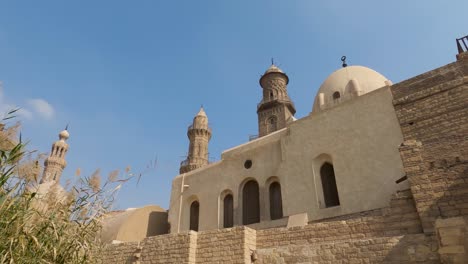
{"x":48,"y":224}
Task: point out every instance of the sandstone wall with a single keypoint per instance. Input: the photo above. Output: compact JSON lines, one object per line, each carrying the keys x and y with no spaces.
{"x":400,"y":218}
{"x":432,"y":109}
{"x":394,"y":249}
{"x":387,"y":235}
{"x":231,"y":245}
{"x":172,"y":248}
{"x":119,"y":253}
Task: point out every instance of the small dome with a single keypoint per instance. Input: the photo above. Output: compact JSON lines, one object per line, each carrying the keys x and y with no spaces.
{"x":273,"y":68}
{"x":64,"y":135}
{"x":346,"y":83}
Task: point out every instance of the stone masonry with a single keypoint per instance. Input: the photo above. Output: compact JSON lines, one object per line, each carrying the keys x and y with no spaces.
{"x":432,"y":109}
{"x":387,"y":235}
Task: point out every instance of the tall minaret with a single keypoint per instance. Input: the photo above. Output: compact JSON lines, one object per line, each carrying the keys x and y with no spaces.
{"x":276,"y":108}
{"x":55,"y":163}
{"x":199,"y":134}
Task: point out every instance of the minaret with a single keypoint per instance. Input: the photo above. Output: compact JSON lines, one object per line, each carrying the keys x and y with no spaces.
{"x":276,"y":108}
{"x":199,"y":134}
{"x":55,"y":163}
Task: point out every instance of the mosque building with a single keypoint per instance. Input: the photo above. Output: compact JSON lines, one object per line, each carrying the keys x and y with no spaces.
{"x":376,"y":173}
{"x":341,"y":159}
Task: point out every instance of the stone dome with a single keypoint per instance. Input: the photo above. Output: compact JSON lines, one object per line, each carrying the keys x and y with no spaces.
{"x":273,"y":68}
{"x":347,"y":83}
{"x":64,"y":135}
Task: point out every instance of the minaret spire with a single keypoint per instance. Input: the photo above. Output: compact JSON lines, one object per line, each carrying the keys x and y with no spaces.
{"x":55,"y":162}
{"x":276,"y":108}
{"x":199,"y":134}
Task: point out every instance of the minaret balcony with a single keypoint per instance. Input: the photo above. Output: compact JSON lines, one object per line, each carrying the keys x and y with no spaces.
{"x":269,"y":103}
{"x":274,"y":101}
{"x":199,"y":127}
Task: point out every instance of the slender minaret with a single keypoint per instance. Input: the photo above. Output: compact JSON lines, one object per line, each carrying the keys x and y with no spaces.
{"x":276,"y":108}
{"x":199,"y":134}
{"x":55,"y":163}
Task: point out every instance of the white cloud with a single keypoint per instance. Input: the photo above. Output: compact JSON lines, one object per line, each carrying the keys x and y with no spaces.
{"x":37,"y":106}
{"x":42,"y":108}
{"x":25,"y":113}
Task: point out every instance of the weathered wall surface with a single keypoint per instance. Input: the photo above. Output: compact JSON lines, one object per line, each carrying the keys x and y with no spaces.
{"x":432,"y":109}
{"x":231,"y":245}
{"x":173,"y":248}
{"x":119,"y":253}
{"x":388,"y":235}
{"x":400,"y":218}
{"x":394,"y":249}
{"x":452,"y":234}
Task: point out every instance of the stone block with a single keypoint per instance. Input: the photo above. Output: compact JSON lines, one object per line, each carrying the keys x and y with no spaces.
{"x":298,"y":220}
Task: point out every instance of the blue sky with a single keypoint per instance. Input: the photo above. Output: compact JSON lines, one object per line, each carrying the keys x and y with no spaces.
{"x":130,"y":75}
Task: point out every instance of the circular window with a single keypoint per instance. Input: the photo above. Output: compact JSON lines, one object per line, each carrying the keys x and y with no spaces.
{"x":248,"y":164}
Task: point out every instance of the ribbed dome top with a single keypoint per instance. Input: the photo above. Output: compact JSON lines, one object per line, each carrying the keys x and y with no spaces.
{"x":273,"y":68}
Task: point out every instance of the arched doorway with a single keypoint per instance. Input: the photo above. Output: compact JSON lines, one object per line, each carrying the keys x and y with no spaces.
{"x":194,"y":215}
{"x":276,"y":203}
{"x":228,"y":210}
{"x":250,"y":203}
{"x":330,"y":191}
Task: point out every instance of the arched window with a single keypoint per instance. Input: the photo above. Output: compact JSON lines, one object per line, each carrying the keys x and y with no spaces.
{"x":250,"y":203}
{"x":194,"y":215}
{"x":228,"y":211}
{"x":272,"y":124}
{"x":330,"y":191}
{"x":276,"y":205}
{"x":336,"y":95}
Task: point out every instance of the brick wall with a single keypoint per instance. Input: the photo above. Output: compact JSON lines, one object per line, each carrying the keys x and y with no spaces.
{"x":236,"y":245}
{"x":399,"y":219}
{"x":172,"y":248}
{"x":394,"y":249}
{"x":230,"y":245}
{"x":432,"y":109}
{"x":387,"y":235}
{"x":119,"y":253}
